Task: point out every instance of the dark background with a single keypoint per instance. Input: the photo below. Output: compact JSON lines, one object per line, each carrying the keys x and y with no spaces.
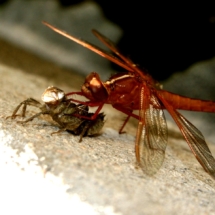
{"x":162,"y":37}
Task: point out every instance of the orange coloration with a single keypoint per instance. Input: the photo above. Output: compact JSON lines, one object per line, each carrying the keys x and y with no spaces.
{"x":137,"y":90}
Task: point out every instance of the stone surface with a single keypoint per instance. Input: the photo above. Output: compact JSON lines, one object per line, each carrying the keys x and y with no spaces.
{"x":21,"y":24}
{"x":43,"y":173}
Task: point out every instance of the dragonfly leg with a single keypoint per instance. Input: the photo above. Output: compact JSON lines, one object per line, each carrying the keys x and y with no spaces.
{"x":123,"y":125}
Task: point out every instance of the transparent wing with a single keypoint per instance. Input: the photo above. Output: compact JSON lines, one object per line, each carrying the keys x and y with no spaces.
{"x":152,"y":134}
{"x":128,"y":62}
{"x":113,"y":48}
{"x":92,"y":47}
{"x":195,"y":140}
{"x":118,"y":58}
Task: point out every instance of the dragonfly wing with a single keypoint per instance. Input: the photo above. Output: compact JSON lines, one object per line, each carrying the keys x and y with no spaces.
{"x":152,"y":134}
{"x":90,"y":46}
{"x":112,"y":47}
{"x":195,"y":140}
{"x":118,"y":58}
{"x":127,"y":61}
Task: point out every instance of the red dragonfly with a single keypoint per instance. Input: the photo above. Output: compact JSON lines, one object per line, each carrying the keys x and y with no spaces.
{"x":135,"y":89}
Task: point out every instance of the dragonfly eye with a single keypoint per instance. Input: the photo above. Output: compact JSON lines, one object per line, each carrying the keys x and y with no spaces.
{"x":95,"y":85}
{"x":93,"y":88}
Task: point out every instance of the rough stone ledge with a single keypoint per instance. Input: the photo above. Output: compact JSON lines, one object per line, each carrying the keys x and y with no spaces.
{"x":55,"y":174}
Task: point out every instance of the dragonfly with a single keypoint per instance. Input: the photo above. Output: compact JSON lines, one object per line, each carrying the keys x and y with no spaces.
{"x":135,"y":89}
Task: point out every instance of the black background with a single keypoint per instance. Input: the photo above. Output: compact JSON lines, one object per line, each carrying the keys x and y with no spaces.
{"x":162,"y":37}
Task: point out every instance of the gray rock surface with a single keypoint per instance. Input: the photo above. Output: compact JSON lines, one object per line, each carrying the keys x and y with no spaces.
{"x":45,"y":173}
{"x":54,"y":174}
{"x":21,"y":24}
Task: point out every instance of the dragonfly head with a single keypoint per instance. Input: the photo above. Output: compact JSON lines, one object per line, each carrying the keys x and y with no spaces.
{"x":93,"y":88}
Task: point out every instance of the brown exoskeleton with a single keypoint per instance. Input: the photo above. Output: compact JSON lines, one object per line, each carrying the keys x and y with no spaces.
{"x":64,"y":112}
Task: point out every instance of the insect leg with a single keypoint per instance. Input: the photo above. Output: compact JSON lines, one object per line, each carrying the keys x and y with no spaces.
{"x":31,"y":118}
{"x":123,"y":125}
{"x":29,"y":101}
{"x":59,"y":131}
{"x":126,"y":111}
